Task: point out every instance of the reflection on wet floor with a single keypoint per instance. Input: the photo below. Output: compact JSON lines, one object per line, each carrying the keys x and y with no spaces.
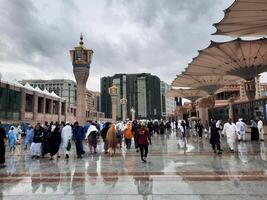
{"x":176,"y":169}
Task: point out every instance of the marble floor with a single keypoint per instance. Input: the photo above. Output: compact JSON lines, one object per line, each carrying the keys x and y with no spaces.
{"x":172,"y":172}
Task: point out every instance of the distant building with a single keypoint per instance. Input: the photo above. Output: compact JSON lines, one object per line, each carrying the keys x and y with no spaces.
{"x":92,"y":102}
{"x":20,"y":103}
{"x":168,"y":104}
{"x":142,"y":92}
{"x":67,"y":89}
{"x":64,"y":88}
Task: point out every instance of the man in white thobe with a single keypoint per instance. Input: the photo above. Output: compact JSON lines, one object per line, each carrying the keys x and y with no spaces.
{"x":229,"y":129}
{"x":261,"y":131}
{"x":241,"y":130}
{"x":66,"y":135}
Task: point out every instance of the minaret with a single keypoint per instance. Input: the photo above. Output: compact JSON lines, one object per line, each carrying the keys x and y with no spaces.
{"x":81,"y":60}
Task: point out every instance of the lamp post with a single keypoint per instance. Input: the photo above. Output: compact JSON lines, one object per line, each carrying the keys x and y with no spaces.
{"x":133,"y":114}
{"x":123,"y":102}
{"x":113,"y":92}
{"x":81,"y":60}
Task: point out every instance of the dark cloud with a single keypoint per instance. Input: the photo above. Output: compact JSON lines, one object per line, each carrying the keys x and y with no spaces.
{"x":159,"y":36}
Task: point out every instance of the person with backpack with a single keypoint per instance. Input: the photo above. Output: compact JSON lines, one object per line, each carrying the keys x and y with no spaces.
{"x":128,"y":135}
{"x":103,"y":133}
{"x":91,"y":136}
{"x":119,"y":129}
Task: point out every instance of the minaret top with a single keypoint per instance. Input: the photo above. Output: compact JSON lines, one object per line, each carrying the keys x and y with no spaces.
{"x":81,"y":39}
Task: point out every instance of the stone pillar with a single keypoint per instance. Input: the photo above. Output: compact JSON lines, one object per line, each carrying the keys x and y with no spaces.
{"x":258,"y":89}
{"x":124,"y":113}
{"x":133,"y":114}
{"x":35,"y":106}
{"x":203,"y":106}
{"x":51,"y":107}
{"x":123,"y":102}
{"x":113,"y":92}
{"x":231,"y":111}
{"x":250,"y":88}
{"x":59,"y":110}
{"x":66,"y":107}
{"x":242,"y":92}
{"x":203,"y":113}
{"x":81,"y":101}
{"x":22,"y":104}
{"x":114,"y":108}
{"x":44,"y":108}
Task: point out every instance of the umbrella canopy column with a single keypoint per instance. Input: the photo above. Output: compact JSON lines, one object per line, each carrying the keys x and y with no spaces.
{"x":203,"y":106}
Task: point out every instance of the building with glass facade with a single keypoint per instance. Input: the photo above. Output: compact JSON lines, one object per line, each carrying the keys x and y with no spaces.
{"x":142,"y":92}
{"x":25,"y":103}
{"x":168,"y":104}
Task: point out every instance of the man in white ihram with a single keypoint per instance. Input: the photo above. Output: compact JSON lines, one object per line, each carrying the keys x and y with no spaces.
{"x":241,"y":130}
{"x":229,"y":129}
{"x":261,"y":131}
{"x":66,"y":135}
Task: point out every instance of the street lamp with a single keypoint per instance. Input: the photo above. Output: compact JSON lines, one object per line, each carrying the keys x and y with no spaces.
{"x":81,"y":58}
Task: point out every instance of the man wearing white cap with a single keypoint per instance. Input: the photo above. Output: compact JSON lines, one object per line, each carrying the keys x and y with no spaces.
{"x":241,"y":130}
{"x":66,"y":136}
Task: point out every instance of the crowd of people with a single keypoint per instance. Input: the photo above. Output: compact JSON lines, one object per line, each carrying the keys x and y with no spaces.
{"x":49,"y":138}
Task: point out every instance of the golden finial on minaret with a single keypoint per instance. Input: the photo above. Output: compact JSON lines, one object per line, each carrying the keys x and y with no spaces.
{"x":81,"y":39}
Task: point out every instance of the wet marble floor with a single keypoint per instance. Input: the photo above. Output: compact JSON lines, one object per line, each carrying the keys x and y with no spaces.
{"x":172,"y":172}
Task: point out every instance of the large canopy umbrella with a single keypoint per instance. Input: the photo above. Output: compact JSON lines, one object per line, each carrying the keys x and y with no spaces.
{"x":244,"y":18}
{"x":190,"y":94}
{"x":230,"y":88}
{"x":208,"y":83}
{"x":242,"y":58}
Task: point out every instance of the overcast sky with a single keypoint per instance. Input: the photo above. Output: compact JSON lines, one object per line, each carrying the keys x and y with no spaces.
{"x":127,"y":36}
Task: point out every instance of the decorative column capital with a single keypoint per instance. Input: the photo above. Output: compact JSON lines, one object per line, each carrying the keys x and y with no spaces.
{"x":208,"y":102}
{"x":113,"y":90}
{"x":123,"y":101}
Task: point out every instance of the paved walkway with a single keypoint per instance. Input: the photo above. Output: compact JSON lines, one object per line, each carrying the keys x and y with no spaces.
{"x":172,"y":172}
